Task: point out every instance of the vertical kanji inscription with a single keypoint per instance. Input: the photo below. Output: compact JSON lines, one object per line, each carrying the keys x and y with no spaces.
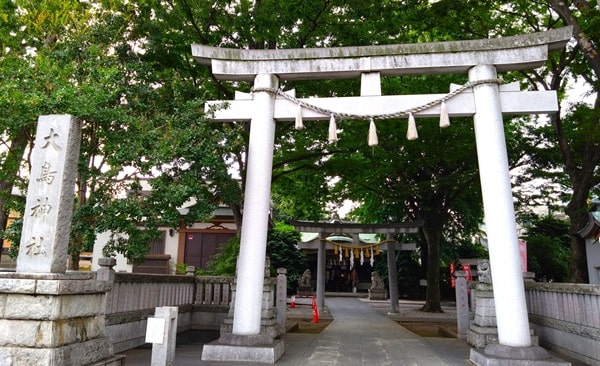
{"x":48,"y":210}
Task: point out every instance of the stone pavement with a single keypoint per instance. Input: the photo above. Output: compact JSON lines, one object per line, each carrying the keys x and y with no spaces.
{"x":362,"y":333}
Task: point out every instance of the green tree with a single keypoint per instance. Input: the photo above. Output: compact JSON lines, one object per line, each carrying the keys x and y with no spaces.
{"x":282,"y":250}
{"x":139,"y":119}
{"x":563,"y":149}
{"x":224,"y":262}
{"x":548,"y":249}
{"x":572,"y":135}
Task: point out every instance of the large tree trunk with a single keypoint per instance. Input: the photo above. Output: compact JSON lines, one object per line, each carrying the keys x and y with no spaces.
{"x":237,"y":215}
{"x":432,"y":233}
{"x":9,"y":171}
{"x":577,"y":210}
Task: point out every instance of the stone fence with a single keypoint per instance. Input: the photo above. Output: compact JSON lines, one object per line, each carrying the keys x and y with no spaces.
{"x":566,"y":317}
{"x":203,"y":304}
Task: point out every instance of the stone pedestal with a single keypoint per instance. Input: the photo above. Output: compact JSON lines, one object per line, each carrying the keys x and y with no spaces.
{"x":377,"y":290}
{"x":483,"y":332}
{"x":305,"y":291}
{"x":53,"y":319}
{"x":482,"y":329}
{"x":378,"y":294}
{"x":268,"y":318}
{"x":499,"y":355}
{"x":265,"y":347}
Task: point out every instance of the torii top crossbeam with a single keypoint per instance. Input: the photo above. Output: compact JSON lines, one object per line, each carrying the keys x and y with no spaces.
{"x":509,"y":53}
{"x":355,"y":228}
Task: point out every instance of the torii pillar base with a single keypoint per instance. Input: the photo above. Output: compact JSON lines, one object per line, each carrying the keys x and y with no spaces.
{"x":500,"y":355}
{"x":251,"y":349}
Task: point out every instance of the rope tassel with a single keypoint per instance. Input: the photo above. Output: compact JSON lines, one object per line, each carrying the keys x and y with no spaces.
{"x":332,"y":129}
{"x":373,"y":141}
{"x":299,"y":125}
{"x":412,"y":134}
{"x":444,"y":118}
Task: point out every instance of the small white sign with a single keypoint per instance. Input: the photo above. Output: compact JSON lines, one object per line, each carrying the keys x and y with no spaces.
{"x":155,"y":330}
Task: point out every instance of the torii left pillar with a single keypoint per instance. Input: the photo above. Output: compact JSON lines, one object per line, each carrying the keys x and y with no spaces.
{"x":251,"y":262}
{"x":246,"y":342}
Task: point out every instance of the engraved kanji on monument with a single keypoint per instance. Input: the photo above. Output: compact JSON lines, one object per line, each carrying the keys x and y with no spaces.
{"x":49,"y":205}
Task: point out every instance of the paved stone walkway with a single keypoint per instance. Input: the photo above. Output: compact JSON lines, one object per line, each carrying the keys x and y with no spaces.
{"x":359,"y":335}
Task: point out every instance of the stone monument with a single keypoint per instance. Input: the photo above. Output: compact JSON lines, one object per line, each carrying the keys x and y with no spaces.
{"x":50,"y":316}
{"x":305,"y":284}
{"x":377,"y":290}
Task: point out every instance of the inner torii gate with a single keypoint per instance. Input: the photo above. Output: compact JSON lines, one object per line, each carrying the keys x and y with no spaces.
{"x":354,"y":229}
{"x":480,"y":59}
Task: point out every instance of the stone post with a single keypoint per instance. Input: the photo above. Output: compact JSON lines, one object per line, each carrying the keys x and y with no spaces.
{"x":462,"y":304}
{"x":392,"y":273}
{"x":247,"y":312}
{"x":106,"y":271}
{"x":281,"y":298}
{"x":321,"y":273}
{"x":161,"y":331}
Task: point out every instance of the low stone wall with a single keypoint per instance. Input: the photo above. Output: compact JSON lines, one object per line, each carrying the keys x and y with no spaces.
{"x":566,"y":317}
{"x":203,"y":303}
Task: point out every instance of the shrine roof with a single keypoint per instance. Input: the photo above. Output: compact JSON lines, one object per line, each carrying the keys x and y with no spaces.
{"x":592,"y":227}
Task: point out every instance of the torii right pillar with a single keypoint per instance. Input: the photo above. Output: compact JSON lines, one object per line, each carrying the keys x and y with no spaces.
{"x":514,"y":339}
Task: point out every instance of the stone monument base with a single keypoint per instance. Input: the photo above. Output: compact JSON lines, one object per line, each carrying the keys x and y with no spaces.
{"x":377,"y":294}
{"x":53,"y":319}
{"x":251,"y":352}
{"x":91,"y":353}
{"x":305,"y":291}
{"x":499,"y":355}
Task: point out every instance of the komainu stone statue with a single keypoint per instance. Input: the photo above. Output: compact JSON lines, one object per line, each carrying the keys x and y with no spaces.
{"x":305,"y":284}
{"x":377,"y":290}
{"x":484,"y":274}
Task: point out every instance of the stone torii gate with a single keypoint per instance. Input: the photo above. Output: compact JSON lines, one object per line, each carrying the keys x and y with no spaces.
{"x":486,"y":101}
{"x":355,"y":229}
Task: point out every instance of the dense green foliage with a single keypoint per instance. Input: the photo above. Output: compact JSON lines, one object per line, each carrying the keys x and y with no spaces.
{"x":225,"y":261}
{"x":282,"y":251}
{"x":125,"y":69}
{"x":548,"y":249}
